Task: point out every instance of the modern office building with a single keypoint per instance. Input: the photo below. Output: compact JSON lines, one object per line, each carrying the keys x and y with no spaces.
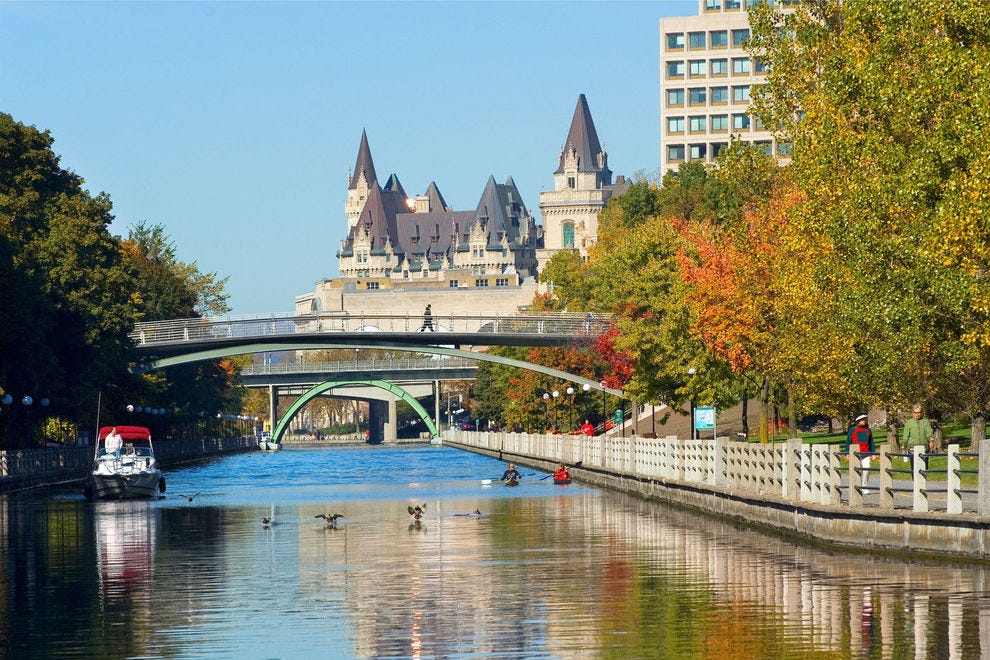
{"x":706,"y":79}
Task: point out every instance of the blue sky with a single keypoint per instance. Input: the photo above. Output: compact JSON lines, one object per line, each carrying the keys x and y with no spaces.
{"x":235,"y":125}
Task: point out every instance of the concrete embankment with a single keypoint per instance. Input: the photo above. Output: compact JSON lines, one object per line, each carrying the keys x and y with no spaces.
{"x":777,"y":494}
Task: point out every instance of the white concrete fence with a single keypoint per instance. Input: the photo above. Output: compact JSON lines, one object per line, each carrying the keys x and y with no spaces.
{"x":789,"y":470}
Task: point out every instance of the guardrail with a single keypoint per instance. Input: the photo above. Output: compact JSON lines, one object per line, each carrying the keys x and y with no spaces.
{"x":790,"y":470}
{"x":373,"y":364}
{"x":274,"y":325}
{"x":26,"y":468}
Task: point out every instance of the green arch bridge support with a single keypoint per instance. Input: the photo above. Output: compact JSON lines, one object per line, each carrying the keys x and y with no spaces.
{"x":317,"y":390}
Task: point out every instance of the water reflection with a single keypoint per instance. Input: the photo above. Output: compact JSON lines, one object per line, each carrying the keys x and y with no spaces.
{"x":544,"y":572}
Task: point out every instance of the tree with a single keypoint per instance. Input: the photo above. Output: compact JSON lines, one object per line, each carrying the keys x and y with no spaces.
{"x":886,"y":105}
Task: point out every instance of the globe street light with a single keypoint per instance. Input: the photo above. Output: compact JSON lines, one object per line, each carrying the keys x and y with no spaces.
{"x":570,"y":413}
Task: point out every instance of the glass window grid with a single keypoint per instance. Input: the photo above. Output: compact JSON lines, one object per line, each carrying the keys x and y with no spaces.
{"x":720,"y":95}
{"x":675,"y":41}
{"x":675,"y":152}
{"x":739,"y":37}
{"x":675,"y":97}
{"x":697,"y":96}
{"x":675,"y":124}
{"x":740,"y":122}
{"x":696,"y":40}
{"x":720,"y":123}
{"x":740,"y":65}
{"x":699,"y":124}
{"x":675,"y":69}
{"x":719,"y":38}
{"x":698,"y":151}
{"x":720,"y":66}
{"x":740,"y":94}
{"x":698,"y":67}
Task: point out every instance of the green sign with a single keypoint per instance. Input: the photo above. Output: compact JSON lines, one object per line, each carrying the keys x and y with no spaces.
{"x":618,"y":417}
{"x":704,"y":419}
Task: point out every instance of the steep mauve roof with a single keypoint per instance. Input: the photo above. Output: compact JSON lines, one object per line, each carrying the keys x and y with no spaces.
{"x":378,"y":217}
{"x":437,"y":202}
{"x":364,"y":163}
{"x":502,"y":210}
{"x":393,"y":185}
{"x":583,"y":138}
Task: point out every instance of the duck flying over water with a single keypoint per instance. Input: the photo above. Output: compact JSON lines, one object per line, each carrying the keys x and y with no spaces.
{"x":267,"y":522}
{"x":330,"y":518}
{"x":189,"y":497}
{"x":417,"y":512}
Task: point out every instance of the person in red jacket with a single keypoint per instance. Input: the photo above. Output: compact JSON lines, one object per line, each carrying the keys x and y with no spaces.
{"x":561,"y":473}
{"x":587,"y":428}
{"x":860,"y":439}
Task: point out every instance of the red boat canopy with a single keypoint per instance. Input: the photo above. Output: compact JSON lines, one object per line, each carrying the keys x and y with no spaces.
{"x":127,"y":432}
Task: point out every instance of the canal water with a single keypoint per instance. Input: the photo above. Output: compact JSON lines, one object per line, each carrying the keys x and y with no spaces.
{"x":544,"y":572}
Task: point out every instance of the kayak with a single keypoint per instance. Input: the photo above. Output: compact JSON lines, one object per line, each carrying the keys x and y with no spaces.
{"x":511,"y":482}
{"x":562,"y":481}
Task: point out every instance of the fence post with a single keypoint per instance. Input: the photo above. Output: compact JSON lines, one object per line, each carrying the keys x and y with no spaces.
{"x":953,"y":498}
{"x":717,"y":476}
{"x":886,"y":480}
{"x":833,"y":479}
{"x":920,"y":480}
{"x":855,"y":494}
{"x":983,"y":484}
{"x":790,"y":469}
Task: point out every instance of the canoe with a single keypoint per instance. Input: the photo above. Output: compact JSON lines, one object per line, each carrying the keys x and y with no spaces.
{"x":511,"y":482}
{"x":562,"y":481}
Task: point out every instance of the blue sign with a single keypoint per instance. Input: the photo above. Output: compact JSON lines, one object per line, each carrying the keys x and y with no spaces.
{"x":704,"y":419}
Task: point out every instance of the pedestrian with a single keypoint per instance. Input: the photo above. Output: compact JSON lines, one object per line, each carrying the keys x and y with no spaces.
{"x":917,"y":431}
{"x":427,"y":320}
{"x":860,"y":439}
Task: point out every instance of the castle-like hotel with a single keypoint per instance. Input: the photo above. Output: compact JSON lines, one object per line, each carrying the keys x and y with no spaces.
{"x":403,"y":252}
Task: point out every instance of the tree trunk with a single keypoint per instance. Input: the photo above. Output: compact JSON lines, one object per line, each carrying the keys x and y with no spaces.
{"x":791,"y":415}
{"x":977,"y":431}
{"x":765,"y":411}
{"x":745,"y":414}
{"x":891,"y":432}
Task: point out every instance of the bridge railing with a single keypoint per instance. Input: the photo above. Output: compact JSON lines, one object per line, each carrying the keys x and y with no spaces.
{"x":370,"y":365}
{"x":275,"y":325}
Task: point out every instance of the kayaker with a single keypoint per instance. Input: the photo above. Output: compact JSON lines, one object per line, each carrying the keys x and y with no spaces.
{"x":511,"y":473}
{"x":587,"y":428}
{"x":561,"y":473}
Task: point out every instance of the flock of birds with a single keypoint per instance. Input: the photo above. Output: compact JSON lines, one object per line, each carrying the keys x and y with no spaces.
{"x":331,"y":518}
{"x":416,"y":512}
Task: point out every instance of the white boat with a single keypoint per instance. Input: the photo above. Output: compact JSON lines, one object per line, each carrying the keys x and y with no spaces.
{"x":128,"y":472}
{"x":265,"y":442}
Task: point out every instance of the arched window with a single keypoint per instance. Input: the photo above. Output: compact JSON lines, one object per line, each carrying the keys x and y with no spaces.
{"x":568,"y":234}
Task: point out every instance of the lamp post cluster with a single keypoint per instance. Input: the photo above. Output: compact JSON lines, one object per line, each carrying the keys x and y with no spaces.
{"x":27,"y":402}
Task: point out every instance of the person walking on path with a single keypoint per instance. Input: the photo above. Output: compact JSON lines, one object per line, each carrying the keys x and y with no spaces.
{"x":427,"y":320}
{"x":860,"y":439}
{"x":917,"y":431}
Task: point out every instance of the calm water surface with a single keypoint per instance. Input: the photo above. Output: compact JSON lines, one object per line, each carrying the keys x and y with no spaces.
{"x":545,"y":571}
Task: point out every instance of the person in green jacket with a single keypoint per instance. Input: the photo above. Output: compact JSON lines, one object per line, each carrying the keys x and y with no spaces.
{"x":917,"y":431}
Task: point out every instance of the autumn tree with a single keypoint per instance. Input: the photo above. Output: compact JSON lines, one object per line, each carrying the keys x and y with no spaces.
{"x":886,"y":105}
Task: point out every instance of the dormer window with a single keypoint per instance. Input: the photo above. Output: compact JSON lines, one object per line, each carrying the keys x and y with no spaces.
{"x":570,"y":182}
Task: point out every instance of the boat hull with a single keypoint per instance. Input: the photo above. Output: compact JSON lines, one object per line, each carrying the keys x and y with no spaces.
{"x":562,"y":482}
{"x":143,"y":485}
{"x":511,"y":482}
{"x":268,"y":445}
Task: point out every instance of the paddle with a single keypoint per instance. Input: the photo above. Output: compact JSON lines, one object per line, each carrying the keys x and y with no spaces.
{"x":576,"y":465}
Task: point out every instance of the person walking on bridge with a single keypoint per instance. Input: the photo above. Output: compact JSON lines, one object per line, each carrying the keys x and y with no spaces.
{"x":427,"y":320}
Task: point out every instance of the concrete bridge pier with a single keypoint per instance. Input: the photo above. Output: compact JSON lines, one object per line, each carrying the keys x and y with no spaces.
{"x":382,"y":420}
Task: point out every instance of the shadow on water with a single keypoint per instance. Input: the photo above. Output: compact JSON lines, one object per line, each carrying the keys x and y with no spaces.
{"x":542,"y":570}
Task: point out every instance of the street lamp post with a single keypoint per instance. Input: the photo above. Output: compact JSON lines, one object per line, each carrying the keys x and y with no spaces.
{"x":546,"y":411}
{"x":555,"y":422}
{"x":570,"y":412}
{"x":691,"y":371}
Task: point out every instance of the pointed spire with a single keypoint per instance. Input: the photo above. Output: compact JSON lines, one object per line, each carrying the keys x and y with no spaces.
{"x":437,"y":202}
{"x":583,"y":139}
{"x":364,"y":163}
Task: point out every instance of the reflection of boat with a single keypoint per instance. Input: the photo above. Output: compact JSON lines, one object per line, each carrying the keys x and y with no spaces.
{"x":511,"y":481}
{"x":125,"y":548}
{"x":128,"y":472}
